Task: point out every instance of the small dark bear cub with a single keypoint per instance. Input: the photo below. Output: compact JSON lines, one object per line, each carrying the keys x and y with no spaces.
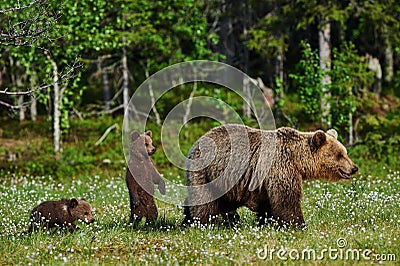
{"x":141,"y":175}
{"x":62,"y":213}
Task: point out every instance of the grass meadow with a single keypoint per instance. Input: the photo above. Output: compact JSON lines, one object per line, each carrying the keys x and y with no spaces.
{"x":356,"y":221}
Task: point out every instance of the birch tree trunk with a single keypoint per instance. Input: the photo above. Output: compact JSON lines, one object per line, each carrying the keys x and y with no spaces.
{"x":324,"y":36}
{"x":125,"y":77}
{"x":56,"y":107}
{"x":151,"y":93}
{"x":106,"y":84}
{"x":21,"y":108}
{"x":247,"y":96}
{"x":279,"y":66}
{"x":351,"y":129}
{"x":189,"y":104}
{"x":33,"y":106}
{"x":16,"y":83}
{"x":106,"y":90}
{"x":33,"y":109}
{"x":56,"y":110}
{"x":245,"y":60}
{"x":388,"y":59}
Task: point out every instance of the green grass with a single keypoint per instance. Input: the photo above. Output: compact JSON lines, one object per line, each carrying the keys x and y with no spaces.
{"x":364,"y":211}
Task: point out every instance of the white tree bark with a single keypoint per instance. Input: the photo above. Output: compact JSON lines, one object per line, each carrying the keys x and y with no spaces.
{"x":33,"y":109}
{"x":125,"y":89}
{"x":388,"y":60}
{"x":247,"y":96}
{"x":33,"y":105}
{"x":351,"y":134}
{"x":189,"y":104}
{"x":324,"y":36}
{"x":106,"y":84}
{"x":56,"y":110}
{"x":21,"y":108}
{"x":56,"y":107}
{"x":151,"y":92}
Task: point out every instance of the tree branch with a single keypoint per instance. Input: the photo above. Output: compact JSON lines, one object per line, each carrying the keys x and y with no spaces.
{"x":27,"y":24}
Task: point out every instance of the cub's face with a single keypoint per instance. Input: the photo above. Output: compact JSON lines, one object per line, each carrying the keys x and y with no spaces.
{"x":148,"y":142}
{"x":137,"y":140}
{"x":331,"y":157}
{"x":81,"y":210}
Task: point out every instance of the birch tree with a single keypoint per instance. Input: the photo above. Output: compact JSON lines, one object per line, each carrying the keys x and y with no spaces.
{"x":323,"y":14}
{"x":324,"y":41}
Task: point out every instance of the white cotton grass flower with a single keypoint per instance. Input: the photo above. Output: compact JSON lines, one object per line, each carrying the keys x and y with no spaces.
{"x":364,"y":211}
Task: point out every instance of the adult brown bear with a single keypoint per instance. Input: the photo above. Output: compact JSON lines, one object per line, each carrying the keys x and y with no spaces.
{"x":235,"y":165}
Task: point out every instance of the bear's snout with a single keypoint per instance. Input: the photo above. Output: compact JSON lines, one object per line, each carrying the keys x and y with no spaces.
{"x":89,"y":220}
{"x":152,"y":151}
{"x":354,"y":170}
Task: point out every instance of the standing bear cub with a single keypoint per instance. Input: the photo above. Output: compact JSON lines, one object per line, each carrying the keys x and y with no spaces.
{"x":260,"y":169}
{"x":62,"y":213}
{"x":141,"y":176}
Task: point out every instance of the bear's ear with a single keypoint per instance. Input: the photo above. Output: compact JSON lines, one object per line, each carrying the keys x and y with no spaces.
{"x":149,"y":133}
{"x":333,"y":133}
{"x":135,"y":135}
{"x":73,"y":203}
{"x":318,"y":140}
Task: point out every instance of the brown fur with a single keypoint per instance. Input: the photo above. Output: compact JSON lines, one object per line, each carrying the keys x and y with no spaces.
{"x":141,"y":176}
{"x":293,"y":156}
{"x":62,"y":213}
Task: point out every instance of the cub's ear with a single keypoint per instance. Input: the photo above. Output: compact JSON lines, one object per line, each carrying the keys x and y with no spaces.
{"x":149,"y":133}
{"x":73,"y":203}
{"x":83,"y":199}
{"x":333,"y":133}
{"x":135,"y":135}
{"x":318,"y":140}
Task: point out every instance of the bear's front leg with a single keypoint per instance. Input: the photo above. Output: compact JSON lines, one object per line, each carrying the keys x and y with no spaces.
{"x":288,"y":214}
{"x":151,"y":212}
{"x":134,"y":204}
{"x":72,"y":227}
{"x":285,"y":195}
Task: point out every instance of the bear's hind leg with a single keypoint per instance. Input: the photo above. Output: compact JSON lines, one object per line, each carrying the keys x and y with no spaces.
{"x":151,"y":211}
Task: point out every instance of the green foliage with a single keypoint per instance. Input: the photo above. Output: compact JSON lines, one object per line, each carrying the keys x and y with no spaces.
{"x":270,"y":36}
{"x":314,"y":11}
{"x":379,"y":20}
{"x":350,"y":79}
{"x":382,"y":138}
{"x":308,"y":80}
{"x":162,"y":32}
{"x":80,"y":155}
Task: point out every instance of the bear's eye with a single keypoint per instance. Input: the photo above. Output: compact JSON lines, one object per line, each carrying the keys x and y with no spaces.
{"x":147,"y":144}
{"x":340,"y":156}
{"x":86,"y":213}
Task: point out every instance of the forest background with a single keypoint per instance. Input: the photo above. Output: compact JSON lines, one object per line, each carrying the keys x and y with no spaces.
{"x":68,"y":70}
